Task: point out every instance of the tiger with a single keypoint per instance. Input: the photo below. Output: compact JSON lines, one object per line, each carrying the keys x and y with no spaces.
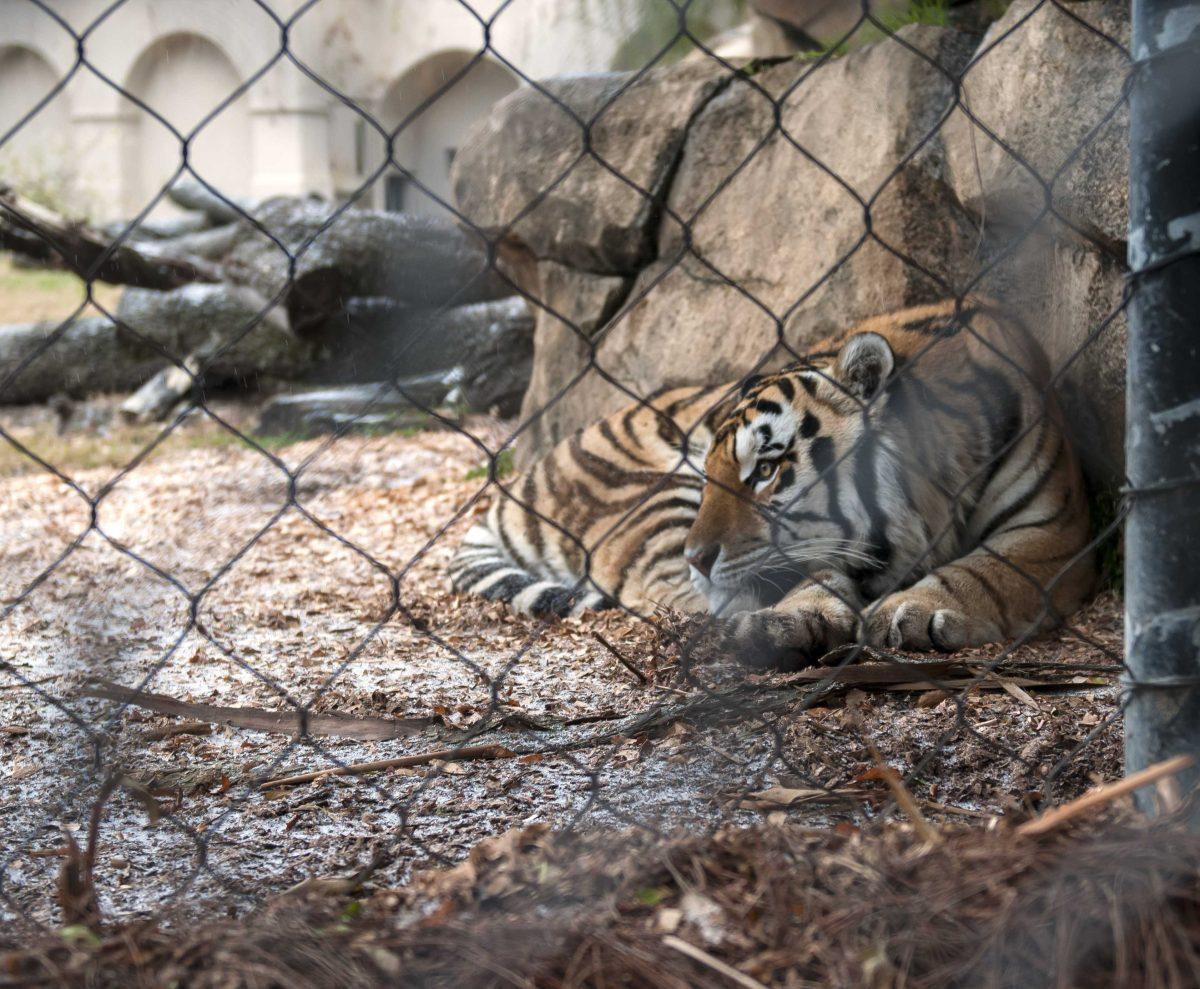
{"x":907,"y":484}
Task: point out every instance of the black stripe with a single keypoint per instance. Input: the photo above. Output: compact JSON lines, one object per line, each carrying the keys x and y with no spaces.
{"x":749,"y":383}
{"x":606,"y":431}
{"x":505,"y":541}
{"x":533,"y":526}
{"x":656,"y":559}
{"x":999,"y":405}
{"x":718,"y":415}
{"x":509,"y":587}
{"x":553,"y":601}
{"x":627,"y":426}
{"x":568,"y":511}
{"x":996,"y":523}
{"x":767,"y":407}
{"x":643,"y":547}
{"x":784,"y":383}
{"x":810,"y":425}
{"x":667,"y":504}
{"x":1004,"y":421}
{"x":474,"y":575}
{"x":604,"y":471}
{"x":791,"y":516}
{"x":989,"y":589}
{"x":820,"y":452}
{"x":1046,"y":521}
{"x":866,"y":482}
{"x":669,"y":432}
{"x":943,"y":325}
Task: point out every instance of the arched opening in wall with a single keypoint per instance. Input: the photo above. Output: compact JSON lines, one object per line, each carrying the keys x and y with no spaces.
{"x":37,"y":158}
{"x":428,"y":142}
{"x":184,"y":77}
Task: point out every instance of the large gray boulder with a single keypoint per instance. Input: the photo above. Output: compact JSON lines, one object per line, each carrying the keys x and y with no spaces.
{"x":761,"y":249}
{"x":574,"y":305}
{"x":1047,"y":83}
{"x":532,"y":149}
{"x":763,"y":243}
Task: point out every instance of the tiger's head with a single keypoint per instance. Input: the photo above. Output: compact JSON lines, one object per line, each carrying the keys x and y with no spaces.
{"x":791,"y":486}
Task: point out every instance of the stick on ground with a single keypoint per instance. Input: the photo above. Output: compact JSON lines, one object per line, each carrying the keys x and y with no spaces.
{"x":642,"y":679}
{"x":1103,"y":795}
{"x":704,"y":958}
{"x":287,"y":722}
{"x":419,"y":759}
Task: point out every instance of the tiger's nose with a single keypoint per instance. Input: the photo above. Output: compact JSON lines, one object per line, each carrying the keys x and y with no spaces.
{"x":703,"y":558}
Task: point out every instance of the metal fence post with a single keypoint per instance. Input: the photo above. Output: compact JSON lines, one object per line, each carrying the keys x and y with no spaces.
{"x":1162,"y":566}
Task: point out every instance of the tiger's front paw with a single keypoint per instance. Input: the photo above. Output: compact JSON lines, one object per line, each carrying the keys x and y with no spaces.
{"x":786,"y":640}
{"x":922,"y":623}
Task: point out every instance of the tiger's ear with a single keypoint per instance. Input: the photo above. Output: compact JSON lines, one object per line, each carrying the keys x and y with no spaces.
{"x":748,"y":383}
{"x":864,"y":364}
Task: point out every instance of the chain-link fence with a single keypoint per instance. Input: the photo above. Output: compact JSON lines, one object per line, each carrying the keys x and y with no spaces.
{"x":237,"y":674}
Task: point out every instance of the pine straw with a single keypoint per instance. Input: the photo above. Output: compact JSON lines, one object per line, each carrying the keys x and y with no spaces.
{"x":1111,"y":905}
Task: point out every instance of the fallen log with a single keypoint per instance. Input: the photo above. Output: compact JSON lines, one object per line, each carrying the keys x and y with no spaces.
{"x":207,"y":325}
{"x":83,"y":356}
{"x":191,"y":195}
{"x":211,"y":245}
{"x":226,"y":333}
{"x":242,"y":334}
{"x":484,"y":349}
{"x":370,"y":408}
{"x":417,"y":259}
{"x":51,"y":239}
{"x":155,"y":399}
{"x":155,"y":228}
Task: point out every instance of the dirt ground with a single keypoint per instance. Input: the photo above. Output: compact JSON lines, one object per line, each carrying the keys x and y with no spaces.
{"x":203,"y":582}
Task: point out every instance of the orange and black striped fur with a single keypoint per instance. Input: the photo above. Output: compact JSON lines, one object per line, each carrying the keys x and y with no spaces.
{"x":907,"y":484}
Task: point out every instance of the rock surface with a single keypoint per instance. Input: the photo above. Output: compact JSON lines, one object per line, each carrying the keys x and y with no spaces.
{"x":867,"y":200}
{"x":533,"y":148}
{"x":778,"y":249}
{"x":1049,"y":87}
{"x":575,"y":304}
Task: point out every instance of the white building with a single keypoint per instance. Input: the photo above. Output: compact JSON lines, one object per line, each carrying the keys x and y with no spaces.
{"x":257,"y":122}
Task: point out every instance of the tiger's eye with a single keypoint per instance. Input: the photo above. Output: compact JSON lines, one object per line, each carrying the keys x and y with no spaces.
{"x":764,"y":470}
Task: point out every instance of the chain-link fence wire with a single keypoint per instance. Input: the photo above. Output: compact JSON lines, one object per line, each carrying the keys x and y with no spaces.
{"x":715,"y":699}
